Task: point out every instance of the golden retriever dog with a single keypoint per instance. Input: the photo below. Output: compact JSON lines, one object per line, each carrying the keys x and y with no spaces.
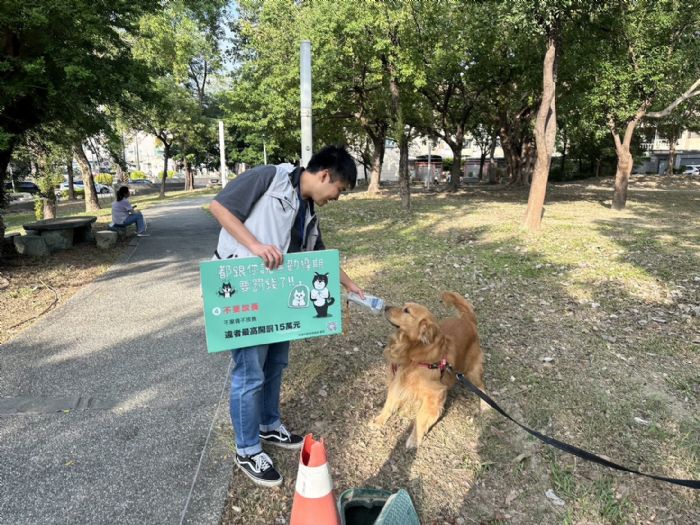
{"x":417,"y":353}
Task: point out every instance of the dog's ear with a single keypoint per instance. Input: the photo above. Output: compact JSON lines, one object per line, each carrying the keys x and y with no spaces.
{"x":427,"y":331}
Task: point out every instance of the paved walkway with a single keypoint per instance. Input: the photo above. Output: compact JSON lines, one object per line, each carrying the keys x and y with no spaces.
{"x":111,"y":411}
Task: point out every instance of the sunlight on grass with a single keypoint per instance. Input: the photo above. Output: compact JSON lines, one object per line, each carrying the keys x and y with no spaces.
{"x":503,"y":247}
{"x":363,"y":271}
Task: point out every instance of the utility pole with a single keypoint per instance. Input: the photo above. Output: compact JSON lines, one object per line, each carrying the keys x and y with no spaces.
{"x":138,"y":159}
{"x":430,"y":164}
{"x":222,"y":155}
{"x":306,"y":131}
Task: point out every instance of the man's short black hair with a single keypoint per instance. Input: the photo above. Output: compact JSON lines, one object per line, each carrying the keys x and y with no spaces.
{"x":338,"y":161}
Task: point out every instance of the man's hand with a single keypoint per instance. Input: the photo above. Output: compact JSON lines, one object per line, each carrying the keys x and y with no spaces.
{"x":269,"y":253}
{"x":350,"y":285}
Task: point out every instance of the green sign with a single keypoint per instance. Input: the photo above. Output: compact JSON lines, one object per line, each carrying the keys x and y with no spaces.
{"x":245,"y":304}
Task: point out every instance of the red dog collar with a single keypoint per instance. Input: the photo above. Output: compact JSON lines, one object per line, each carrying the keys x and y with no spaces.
{"x":441,"y":365}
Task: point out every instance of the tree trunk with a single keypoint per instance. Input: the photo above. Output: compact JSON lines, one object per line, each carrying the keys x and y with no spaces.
{"x":622,"y":177}
{"x":166,"y":157}
{"x":69,"y":171}
{"x":189,"y":176}
{"x":527,"y":160}
{"x":120,"y":174}
{"x":671,"y":152}
{"x":625,"y":162}
{"x":404,"y":134}
{"x":96,"y":152}
{"x":5,"y":155}
{"x":482,"y":161}
{"x":43,"y":176}
{"x":186,"y":167}
{"x":2,"y":236}
{"x":404,"y":177}
{"x":91,"y":202}
{"x":377,"y":161}
{"x":456,"y":169}
{"x":49,"y":208}
{"x":545,"y":132}
{"x":492,"y":162}
{"x":507,"y":147}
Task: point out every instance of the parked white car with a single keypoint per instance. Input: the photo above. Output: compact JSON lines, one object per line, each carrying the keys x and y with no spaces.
{"x":79,"y":186}
{"x":692,"y":170}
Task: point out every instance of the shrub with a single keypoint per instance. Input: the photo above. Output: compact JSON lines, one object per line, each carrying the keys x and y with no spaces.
{"x":104,"y":178}
{"x":159,"y":176}
{"x":38,"y":208}
{"x":447,"y":163}
{"x":137,"y":175}
{"x":47,"y":183}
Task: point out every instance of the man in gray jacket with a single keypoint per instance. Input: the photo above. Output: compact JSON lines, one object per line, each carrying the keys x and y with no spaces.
{"x":266,"y":212}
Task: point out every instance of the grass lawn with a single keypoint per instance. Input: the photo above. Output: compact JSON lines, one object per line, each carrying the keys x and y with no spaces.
{"x":612,"y":297}
{"x":30,"y":287}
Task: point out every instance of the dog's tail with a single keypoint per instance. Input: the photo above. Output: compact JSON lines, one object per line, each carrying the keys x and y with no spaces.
{"x":461,"y":304}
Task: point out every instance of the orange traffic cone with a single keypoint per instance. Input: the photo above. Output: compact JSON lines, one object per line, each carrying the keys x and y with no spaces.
{"x":314,"y":503}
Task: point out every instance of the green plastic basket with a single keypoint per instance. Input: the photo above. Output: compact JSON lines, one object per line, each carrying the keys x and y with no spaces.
{"x":367,"y":506}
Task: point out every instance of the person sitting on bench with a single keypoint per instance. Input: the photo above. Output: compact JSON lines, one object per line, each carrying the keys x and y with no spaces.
{"x":123,"y":213}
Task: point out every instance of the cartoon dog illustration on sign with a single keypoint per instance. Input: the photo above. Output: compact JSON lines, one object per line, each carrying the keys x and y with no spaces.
{"x":320,"y":295}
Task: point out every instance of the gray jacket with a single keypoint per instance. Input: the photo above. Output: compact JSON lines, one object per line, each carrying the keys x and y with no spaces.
{"x":272,"y":218}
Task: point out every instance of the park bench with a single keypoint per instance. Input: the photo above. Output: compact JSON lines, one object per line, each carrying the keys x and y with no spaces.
{"x":56,"y":234}
{"x":108,"y":238}
{"x":122,"y":230}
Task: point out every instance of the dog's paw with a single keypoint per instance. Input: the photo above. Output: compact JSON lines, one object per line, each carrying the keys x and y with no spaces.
{"x":377,"y":422}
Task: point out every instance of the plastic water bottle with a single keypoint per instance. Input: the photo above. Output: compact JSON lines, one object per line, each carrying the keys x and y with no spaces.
{"x":375,"y":304}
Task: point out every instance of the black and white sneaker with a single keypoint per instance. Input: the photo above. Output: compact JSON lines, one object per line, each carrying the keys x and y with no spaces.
{"x":282,"y":438}
{"x":259,"y":468}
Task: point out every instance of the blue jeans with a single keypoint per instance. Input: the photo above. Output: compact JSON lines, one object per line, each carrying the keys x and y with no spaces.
{"x":136,"y":217}
{"x":256,"y":380}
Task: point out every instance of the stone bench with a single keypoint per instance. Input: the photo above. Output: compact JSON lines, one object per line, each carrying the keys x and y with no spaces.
{"x":123,"y":231}
{"x":34,"y":245}
{"x":9,"y":244}
{"x":106,"y":239}
{"x":63,"y":233}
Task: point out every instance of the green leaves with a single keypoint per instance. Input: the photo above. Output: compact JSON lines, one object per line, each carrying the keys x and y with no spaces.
{"x":62,"y":59}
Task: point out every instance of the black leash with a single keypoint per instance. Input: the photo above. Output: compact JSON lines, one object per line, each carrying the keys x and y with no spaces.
{"x":693,"y":484}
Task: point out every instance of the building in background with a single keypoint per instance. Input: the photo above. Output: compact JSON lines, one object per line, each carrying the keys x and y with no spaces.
{"x":658,"y":151}
{"x":144,"y":152}
{"x":418,"y":159}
